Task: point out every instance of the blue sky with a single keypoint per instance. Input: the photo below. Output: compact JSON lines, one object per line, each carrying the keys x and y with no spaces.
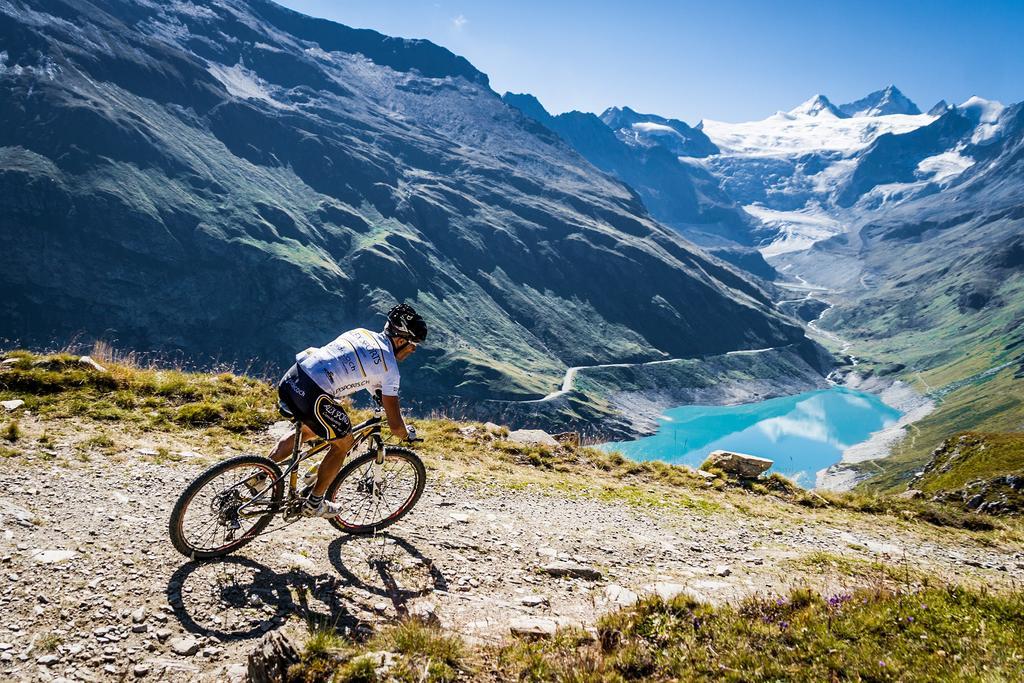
{"x":719,"y":59}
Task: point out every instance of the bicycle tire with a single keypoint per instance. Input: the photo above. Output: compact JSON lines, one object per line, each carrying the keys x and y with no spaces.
{"x":399,"y":453}
{"x":176,"y":523}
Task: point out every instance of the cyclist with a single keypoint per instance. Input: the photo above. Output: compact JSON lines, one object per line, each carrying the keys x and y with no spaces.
{"x":358,"y":359}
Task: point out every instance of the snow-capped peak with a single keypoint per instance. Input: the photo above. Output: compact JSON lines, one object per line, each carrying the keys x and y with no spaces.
{"x":818,"y":105}
{"x":888,"y":100}
{"x":986,"y":114}
{"x":981,"y":110}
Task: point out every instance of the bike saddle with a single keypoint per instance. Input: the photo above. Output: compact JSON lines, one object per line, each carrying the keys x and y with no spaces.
{"x":285,"y":410}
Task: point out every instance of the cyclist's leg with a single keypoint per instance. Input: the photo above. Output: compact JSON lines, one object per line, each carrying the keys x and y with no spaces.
{"x":335,"y":426}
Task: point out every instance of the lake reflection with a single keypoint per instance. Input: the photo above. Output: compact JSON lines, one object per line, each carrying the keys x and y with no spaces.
{"x":802,"y":433}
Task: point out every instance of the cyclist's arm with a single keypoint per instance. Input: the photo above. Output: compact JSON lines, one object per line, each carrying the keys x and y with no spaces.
{"x":394,"y":415}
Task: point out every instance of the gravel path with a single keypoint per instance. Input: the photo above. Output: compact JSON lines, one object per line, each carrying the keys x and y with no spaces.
{"x":91,"y":588}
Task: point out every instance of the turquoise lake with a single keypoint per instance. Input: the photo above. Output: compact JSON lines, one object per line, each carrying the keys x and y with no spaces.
{"x":802,"y":433}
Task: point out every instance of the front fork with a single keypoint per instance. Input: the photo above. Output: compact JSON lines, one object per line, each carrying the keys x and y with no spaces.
{"x":377,"y":467}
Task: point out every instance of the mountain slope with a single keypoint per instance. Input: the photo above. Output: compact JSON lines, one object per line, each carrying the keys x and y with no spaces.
{"x":680,"y":195}
{"x":237,"y":181}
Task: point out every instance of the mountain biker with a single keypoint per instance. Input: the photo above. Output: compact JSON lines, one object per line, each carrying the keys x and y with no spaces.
{"x":356,"y":360}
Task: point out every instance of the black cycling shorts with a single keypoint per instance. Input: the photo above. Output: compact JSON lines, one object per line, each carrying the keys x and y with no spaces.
{"x":313,"y":406}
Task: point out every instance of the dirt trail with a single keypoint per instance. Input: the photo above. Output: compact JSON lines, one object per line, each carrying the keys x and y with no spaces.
{"x":92,"y":589}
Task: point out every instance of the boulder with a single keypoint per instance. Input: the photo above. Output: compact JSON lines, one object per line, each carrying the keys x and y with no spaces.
{"x":269,"y":662}
{"x":667,"y":590}
{"x":618,"y":595}
{"x":911,"y":494}
{"x":533,"y":627}
{"x":572,"y":569}
{"x":12,"y":405}
{"x":738,"y":464}
{"x":532,"y":437}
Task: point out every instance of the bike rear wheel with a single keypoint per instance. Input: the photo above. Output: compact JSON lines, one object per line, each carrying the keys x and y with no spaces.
{"x":368,"y":509}
{"x":208,"y":520}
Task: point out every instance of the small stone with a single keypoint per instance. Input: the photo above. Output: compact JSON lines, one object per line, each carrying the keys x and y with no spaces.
{"x":140,"y":628}
{"x":531,"y":627}
{"x":88,"y":362}
{"x":139,"y":615}
{"x":186,"y":647}
{"x":48,"y":660}
{"x":533,"y":600}
{"x":722,"y":570}
{"x":459,"y":517}
{"x":163,"y":634}
{"x":380,"y":607}
{"x":11,"y":406}
{"x":140,"y":670}
{"x":911,"y":494}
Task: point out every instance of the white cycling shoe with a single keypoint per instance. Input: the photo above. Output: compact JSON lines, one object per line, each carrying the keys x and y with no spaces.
{"x":325,"y":509}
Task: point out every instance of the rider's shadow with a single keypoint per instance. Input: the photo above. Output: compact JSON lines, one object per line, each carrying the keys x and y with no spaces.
{"x":237,"y":598}
{"x":388,"y":566}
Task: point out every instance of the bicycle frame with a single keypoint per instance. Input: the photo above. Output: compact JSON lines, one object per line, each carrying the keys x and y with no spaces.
{"x":368,"y":430}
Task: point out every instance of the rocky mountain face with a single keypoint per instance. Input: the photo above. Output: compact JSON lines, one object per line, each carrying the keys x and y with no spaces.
{"x":819,"y":105}
{"x":881,"y":103}
{"x":237,"y":181}
{"x":652,"y":155}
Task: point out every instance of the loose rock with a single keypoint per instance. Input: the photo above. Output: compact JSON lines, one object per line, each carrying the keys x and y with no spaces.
{"x":186,"y":647}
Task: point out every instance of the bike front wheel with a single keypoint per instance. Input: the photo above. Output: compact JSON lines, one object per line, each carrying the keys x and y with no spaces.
{"x":370,"y":504}
{"x":226,"y":506}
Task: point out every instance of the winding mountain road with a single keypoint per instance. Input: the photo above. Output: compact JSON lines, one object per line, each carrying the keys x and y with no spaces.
{"x":569,"y":380}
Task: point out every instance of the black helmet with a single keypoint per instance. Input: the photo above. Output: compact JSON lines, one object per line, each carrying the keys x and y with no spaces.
{"x":406,"y":323}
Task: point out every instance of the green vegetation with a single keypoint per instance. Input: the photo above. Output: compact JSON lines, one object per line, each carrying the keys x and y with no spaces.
{"x":12,"y":432}
{"x":418,"y":653}
{"x":948,"y":634}
{"x":59,"y":386}
{"x":969,"y":457}
{"x":49,"y":642}
{"x":874,"y":503}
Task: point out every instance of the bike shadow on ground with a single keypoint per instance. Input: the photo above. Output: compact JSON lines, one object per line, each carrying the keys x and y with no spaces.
{"x":238,"y":598}
{"x":387,"y":566}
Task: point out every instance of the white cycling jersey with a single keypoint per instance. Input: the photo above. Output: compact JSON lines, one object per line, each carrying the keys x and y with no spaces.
{"x":358,"y":359}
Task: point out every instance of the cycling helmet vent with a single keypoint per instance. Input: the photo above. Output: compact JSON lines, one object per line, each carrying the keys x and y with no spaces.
{"x":406,"y":323}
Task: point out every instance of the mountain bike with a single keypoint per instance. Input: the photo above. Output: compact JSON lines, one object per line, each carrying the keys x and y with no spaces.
{"x":234,"y":501}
